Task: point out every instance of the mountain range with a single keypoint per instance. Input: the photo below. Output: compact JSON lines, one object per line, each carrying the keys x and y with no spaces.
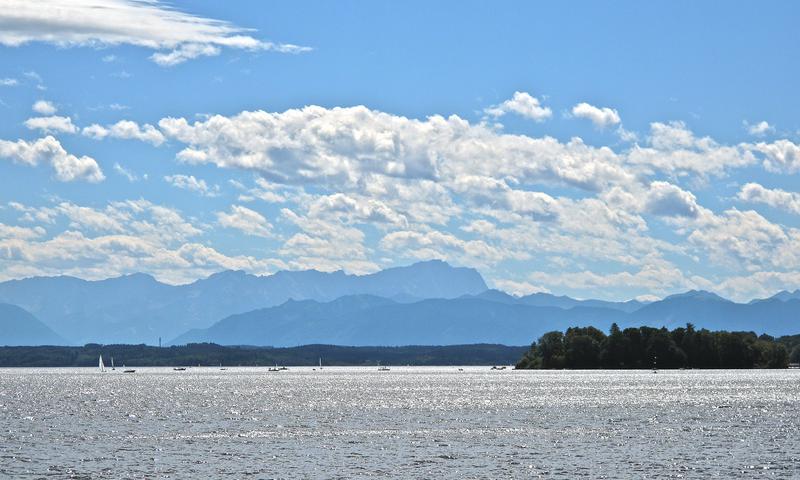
{"x":427,"y":303}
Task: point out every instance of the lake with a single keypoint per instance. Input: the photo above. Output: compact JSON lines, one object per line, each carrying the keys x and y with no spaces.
{"x":410,"y":422}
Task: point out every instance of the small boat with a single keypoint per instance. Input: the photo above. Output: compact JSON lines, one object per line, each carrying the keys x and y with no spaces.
{"x":497,"y":368}
{"x":102,"y":365}
{"x":320,"y":363}
{"x":382,"y":369}
{"x":129,"y":371}
{"x":112,"y":364}
{"x":180,"y":369}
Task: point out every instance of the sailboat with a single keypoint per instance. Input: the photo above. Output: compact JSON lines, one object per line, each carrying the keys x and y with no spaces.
{"x":112,"y":364}
{"x":102,"y":366}
{"x":320,"y":363}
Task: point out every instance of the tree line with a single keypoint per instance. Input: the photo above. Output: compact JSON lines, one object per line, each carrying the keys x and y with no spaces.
{"x":209,"y":354}
{"x":646,"y":347}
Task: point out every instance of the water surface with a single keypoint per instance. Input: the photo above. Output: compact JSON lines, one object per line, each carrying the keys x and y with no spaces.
{"x":408,"y":422}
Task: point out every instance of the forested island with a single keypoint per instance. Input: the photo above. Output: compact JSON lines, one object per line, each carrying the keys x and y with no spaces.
{"x":646,"y":347}
{"x":210,"y":354}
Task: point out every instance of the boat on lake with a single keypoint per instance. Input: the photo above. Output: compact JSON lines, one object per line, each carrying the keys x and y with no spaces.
{"x":102,"y":366}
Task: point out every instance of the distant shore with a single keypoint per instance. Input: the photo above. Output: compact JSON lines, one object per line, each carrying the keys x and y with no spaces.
{"x":209,"y":354}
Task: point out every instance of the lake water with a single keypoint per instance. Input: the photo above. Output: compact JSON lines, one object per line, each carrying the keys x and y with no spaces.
{"x":409,"y":422}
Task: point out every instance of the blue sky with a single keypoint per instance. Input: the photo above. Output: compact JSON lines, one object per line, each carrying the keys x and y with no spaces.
{"x":597,"y":150}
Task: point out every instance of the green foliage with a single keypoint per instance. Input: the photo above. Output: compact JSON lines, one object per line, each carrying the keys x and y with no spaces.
{"x":646,"y":347}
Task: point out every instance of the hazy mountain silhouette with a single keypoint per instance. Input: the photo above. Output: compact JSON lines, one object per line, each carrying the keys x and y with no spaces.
{"x":370,"y":320}
{"x":562,"y":301}
{"x":491,"y":316}
{"x":18,"y":327}
{"x":709,"y":310}
{"x":425,"y":303}
{"x":139,"y":309}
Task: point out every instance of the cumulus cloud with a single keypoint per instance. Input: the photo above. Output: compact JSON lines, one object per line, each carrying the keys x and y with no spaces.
{"x":360,"y":188}
{"x":246,"y":221}
{"x":122,"y":237}
{"x":125,"y":129}
{"x":519,"y":288}
{"x":175,"y":36}
{"x":670,"y":200}
{"x":20,"y":233}
{"x":44,"y":107}
{"x":342,"y":147}
{"x":776,"y":198}
{"x":745,"y":239}
{"x":51,"y":124}
{"x":189,"y":182}
{"x":8,"y":82}
{"x":67,"y":167}
{"x":780,"y":156}
{"x":759,"y":129}
{"x":675,"y":150}
{"x":522,"y":104}
{"x":600,"y":117}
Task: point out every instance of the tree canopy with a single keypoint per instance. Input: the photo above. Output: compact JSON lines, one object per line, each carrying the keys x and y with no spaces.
{"x":647,"y":347}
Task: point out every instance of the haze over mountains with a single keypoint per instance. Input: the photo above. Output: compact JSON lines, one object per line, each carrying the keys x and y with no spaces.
{"x":428,"y":303}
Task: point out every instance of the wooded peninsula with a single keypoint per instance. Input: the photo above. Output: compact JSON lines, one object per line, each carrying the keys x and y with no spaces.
{"x":646,"y":347}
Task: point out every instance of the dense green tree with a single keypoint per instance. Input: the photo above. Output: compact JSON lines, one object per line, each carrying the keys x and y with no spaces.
{"x":612,"y":354}
{"x":795,"y":356}
{"x":551,"y":350}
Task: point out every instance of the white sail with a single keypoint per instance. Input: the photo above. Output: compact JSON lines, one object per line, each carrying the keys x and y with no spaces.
{"x":102,"y":367}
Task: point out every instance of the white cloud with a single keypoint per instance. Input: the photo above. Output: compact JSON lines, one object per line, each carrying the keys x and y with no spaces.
{"x":522,"y":104}
{"x":675,"y":150}
{"x":174,"y":35}
{"x":344,"y":147}
{"x":246,"y":221}
{"x":655,"y":278}
{"x":669,"y":200}
{"x":20,"y":233}
{"x":125,"y":129}
{"x":132,"y":177}
{"x":759,"y":129}
{"x":189,"y":182}
{"x":745,"y":240}
{"x":122,"y":237}
{"x":779,"y":156}
{"x":776,"y":198}
{"x":51,"y":124}
{"x":8,"y":82}
{"x":44,"y":107}
{"x":600,"y":117}
{"x":519,"y":288}
{"x":67,"y":167}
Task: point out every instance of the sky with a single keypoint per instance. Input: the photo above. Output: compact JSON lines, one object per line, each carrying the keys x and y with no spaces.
{"x":599,"y":150}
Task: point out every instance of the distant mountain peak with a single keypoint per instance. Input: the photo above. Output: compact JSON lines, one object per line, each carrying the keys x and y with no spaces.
{"x":785,"y":295}
{"x":697,"y":294}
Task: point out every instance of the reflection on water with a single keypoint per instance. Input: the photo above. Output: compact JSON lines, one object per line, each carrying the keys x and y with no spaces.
{"x":408,"y":422}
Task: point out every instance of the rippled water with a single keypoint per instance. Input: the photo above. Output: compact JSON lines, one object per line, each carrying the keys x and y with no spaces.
{"x":409,"y":422}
